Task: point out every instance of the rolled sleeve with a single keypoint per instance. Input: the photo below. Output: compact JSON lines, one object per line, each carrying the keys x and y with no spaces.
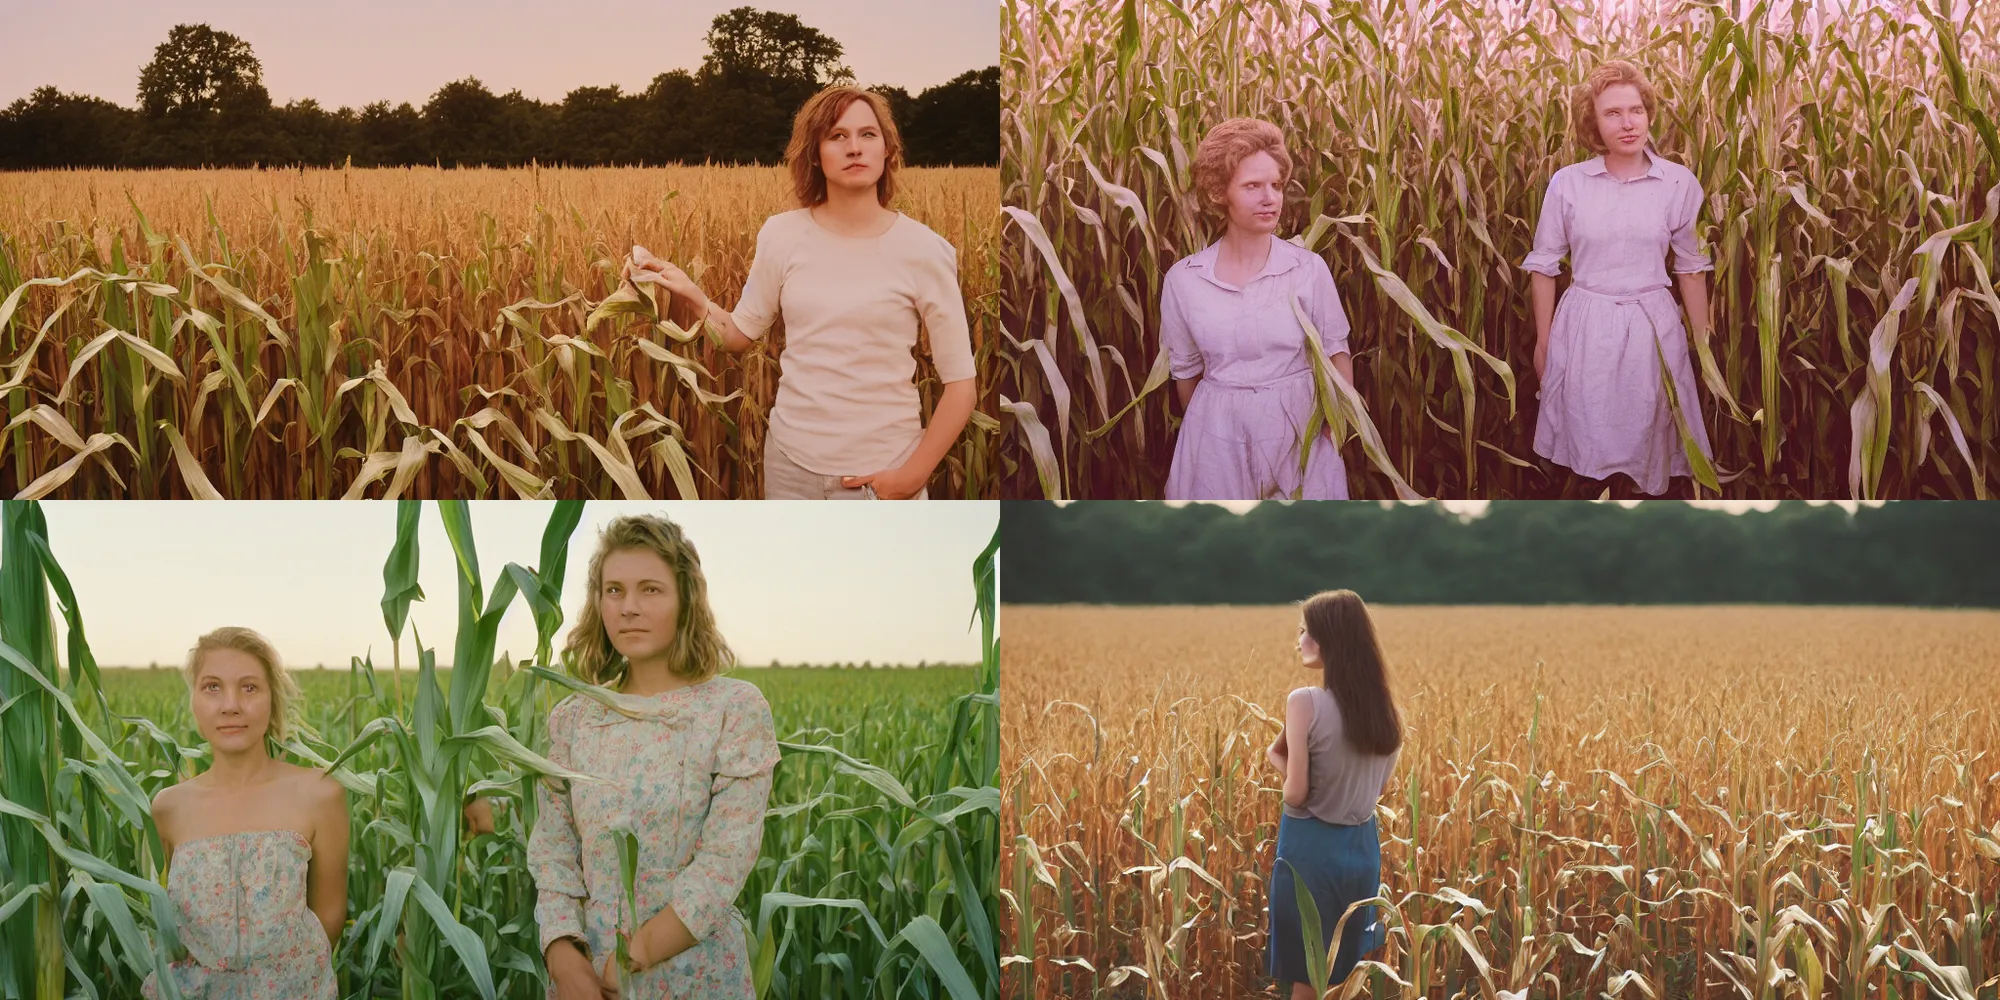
{"x":555,"y":856}
{"x":1687,"y":249}
{"x":942,"y":307}
{"x":757,"y":308}
{"x":703,"y":892}
{"x":1183,"y":358}
{"x":1551,"y":233}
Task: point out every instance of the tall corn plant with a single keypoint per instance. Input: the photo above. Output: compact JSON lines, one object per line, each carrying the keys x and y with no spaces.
{"x":31,"y":742}
{"x":452,"y":742}
{"x":66,"y":799}
{"x":1846,"y":152}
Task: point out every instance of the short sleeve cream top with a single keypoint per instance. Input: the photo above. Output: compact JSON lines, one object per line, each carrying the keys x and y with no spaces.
{"x":847,"y":405}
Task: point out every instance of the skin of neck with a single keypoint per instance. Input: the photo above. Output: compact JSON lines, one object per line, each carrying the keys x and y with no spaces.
{"x":1635,"y":162}
{"x":247,"y":767}
{"x":652,"y":675}
{"x":1245,"y":245}
{"x":854,"y":205}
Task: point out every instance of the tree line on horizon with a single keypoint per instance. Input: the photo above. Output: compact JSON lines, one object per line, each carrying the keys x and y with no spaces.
{"x":1923,"y":553}
{"x":202,"y":103}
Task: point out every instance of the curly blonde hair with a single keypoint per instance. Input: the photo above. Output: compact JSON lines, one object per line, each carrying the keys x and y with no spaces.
{"x":285,"y":697}
{"x":1583,"y":100}
{"x":1226,"y":146}
{"x":698,"y":651}
{"x":814,"y":120}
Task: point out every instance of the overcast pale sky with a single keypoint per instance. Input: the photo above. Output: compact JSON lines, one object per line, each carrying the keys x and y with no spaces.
{"x":795,"y":582}
{"x":354,"y":52}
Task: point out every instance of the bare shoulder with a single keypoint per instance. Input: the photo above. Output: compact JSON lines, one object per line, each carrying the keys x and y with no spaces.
{"x":1299,"y":704}
{"x":317,"y":788}
{"x":167,"y":804}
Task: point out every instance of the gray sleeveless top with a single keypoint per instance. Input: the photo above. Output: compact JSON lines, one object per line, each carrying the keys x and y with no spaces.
{"x":1342,"y":783}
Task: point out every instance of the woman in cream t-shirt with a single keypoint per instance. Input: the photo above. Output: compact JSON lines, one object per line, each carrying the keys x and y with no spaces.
{"x":851,"y":279}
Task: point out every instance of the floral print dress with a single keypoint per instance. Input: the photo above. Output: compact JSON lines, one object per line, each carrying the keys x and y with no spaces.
{"x":688,"y":772}
{"x":241,"y":904}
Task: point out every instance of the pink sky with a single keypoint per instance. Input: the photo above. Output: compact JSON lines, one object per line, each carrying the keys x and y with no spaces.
{"x":352,"y":52}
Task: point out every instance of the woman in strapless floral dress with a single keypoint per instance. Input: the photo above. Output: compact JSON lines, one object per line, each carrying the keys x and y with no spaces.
{"x":684,"y":761}
{"x":256,"y":846}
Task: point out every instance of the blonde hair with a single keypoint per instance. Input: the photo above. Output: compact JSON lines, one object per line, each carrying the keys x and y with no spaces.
{"x":815,"y":119}
{"x":1583,"y":100}
{"x":285,"y":697}
{"x":1226,"y":146}
{"x":697,"y":652}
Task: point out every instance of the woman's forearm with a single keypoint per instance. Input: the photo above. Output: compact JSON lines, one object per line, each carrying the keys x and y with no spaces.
{"x":1543,"y":289}
{"x":733,"y":339}
{"x":1184,"y":387}
{"x":333,"y":923}
{"x":954,"y":410}
{"x":1694,"y":295}
{"x":1344,"y":364}
{"x":661,"y":938}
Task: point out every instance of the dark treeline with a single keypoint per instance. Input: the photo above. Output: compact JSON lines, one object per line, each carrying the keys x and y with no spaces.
{"x":1938,"y":553}
{"x":202,"y":103}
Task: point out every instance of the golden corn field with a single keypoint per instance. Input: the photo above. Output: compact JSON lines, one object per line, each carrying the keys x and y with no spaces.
{"x":1847,"y":150}
{"x":1639,"y":803}
{"x":423,"y":333}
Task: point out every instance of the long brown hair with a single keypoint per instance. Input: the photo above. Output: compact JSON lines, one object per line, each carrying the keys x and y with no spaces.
{"x":1352,"y":669}
{"x":698,"y":651}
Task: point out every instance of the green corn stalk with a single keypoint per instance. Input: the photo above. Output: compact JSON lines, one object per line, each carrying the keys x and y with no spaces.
{"x":32,"y":756}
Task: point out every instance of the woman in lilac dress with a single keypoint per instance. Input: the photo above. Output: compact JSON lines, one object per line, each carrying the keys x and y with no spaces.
{"x":256,"y":846}
{"x":1599,"y":354}
{"x":684,"y":763}
{"x":1235,"y":345}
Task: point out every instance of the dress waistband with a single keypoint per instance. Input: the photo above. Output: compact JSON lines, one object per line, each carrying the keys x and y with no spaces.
{"x":1282,"y":380}
{"x":1623,"y":297}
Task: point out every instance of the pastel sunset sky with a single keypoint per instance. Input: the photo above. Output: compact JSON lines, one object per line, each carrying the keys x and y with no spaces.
{"x":354,"y":52}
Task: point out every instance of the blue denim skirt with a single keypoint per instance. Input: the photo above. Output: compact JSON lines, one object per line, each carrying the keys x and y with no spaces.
{"x":1338,"y":866}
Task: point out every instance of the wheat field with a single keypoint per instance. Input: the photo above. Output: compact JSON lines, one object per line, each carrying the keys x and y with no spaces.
{"x":1847,"y":150}
{"x":288,"y":334}
{"x":1640,"y":803}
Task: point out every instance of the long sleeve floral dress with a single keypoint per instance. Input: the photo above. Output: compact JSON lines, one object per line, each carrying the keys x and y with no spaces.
{"x":690,"y":776}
